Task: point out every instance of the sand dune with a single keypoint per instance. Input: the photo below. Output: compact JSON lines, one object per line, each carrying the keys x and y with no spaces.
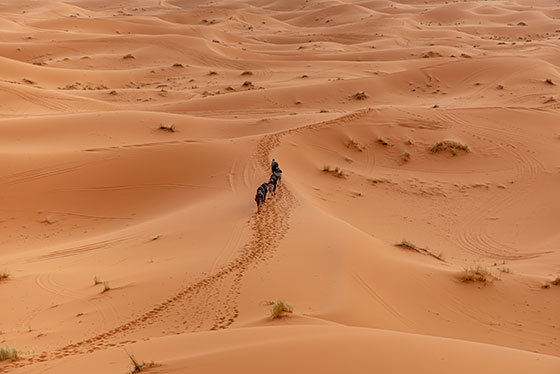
{"x":133,"y":137}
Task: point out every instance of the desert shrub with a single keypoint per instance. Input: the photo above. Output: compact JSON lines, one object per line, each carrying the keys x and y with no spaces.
{"x":7,"y":353}
{"x":106,"y":286}
{"x":449,"y":145}
{"x":247,"y":84}
{"x":337,"y":172}
{"x":169,"y":128}
{"x":555,"y":282}
{"x":360,"y":95}
{"x":178,"y":65}
{"x":135,"y":366}
{"x":128,"y":56}
{"x":382,"y":141}
{"x":96,"y":280}
{"x":247,"y":73}
{"x":549,"y":81}
{"x":405,"y":156}
{"x":280,"y":308}
{"x":354,"y":144}
{"x":478,"y":274}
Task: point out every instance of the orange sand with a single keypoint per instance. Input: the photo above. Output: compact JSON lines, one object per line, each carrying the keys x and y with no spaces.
{"x":91,"y":187}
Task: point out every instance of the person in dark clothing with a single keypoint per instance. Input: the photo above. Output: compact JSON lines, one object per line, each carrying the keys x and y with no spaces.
{"x":274,"y":165}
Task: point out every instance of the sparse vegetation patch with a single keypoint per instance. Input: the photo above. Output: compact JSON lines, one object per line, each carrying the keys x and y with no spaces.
{"x":135,"y":366}
{"x":382,"y":141}
{"x":478,"y":274}
{"x":360,"y":95}
{"x":452,"y":146}
{"x":405,"y":156}
{"x":355,"y":145}
{"x":169,"y":128}
{"x":106,"y":286}
{"x":337,"y":172}
{"x":280,"y":309}
{"x":406,"y":244}
{"x":549,"y":81}
{"x":128,"y":56}
{"x":7,"y":353}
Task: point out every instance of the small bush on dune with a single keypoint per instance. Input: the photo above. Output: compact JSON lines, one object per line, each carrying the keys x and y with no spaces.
{"x":135,"y":366}
{"x":7,"y":353}
{"x":382,"y":141}
{"x":169,"y":128}
{"x":106,"y":286}
{"x":96,"y":280}
{"x":405,"y":156}
{"x":4,"y":275}
{"x":360,"y":95}
{"x":128,"y":56}
{"x":280,"y":308}
{"x":449,"y":145}
{"x":478,"y":274}
{"x":556,"y":282}
{"x":247,"y":73}
{"x":549,"y":81}
{"x":354,"y":144}
{"x":337,"y":172}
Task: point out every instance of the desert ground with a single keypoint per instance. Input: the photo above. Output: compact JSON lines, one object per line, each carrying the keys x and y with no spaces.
{"x":416,"y":227}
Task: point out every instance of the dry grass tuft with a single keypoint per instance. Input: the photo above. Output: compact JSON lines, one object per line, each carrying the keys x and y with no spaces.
{"x":178,"y":65}
{"x":247,"y":73}
{"x":135,"y":366}
{"x":355,"y":145}
{"x":337,"y":172}
{"x":405,"y":156}
{"x":478,"y":274}
{"x":106,"y":286}
{"x":360,"y":95}
{"x":407,"y":244}
{"x":4,"y":275}
{"x":169,"y":128}
{"x":96,"y":280}
{"x":452,"y":146}
{"x":382,"y":141}
{"x":7,"y":353}
{"x":128,"y":56}
{"x":280,"y":308}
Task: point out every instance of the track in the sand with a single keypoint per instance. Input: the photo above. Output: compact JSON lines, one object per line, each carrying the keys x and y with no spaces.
{"x":210,"y":303}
